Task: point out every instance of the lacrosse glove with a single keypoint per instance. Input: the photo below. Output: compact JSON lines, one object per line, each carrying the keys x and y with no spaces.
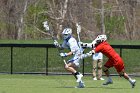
{"x":57,"y":44}
{"x":63,"y":54}
{"x":90,"y":53}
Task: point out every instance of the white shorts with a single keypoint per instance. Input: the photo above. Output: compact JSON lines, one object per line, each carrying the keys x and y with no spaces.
{"x":77,"y":59}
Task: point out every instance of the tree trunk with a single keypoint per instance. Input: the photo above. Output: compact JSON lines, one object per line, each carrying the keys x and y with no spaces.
{"x":102,"y":18}
{"x":21,"y":22}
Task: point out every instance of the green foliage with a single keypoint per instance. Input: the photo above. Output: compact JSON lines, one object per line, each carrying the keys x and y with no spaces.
{"x":124,"y":42}
{"x":114,"y":24}
{"x":34,"y":18}
{"x":3,"y":28}
{"x":35,"y":13}
{"x":2,"y":25}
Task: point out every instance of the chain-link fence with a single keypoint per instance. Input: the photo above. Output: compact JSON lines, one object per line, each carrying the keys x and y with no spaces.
{"x":45,"y":59}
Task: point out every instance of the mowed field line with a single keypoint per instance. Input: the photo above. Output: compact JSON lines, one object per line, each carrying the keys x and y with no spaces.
{"x":62,"y":84}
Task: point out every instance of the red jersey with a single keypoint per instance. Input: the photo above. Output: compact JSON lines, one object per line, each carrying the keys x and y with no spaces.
{"x":114,"y":58}
{"x":107,"y":50}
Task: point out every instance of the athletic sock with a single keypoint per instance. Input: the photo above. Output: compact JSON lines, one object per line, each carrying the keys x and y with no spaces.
{"x":77,"y":73}
{"x":130,"y":80}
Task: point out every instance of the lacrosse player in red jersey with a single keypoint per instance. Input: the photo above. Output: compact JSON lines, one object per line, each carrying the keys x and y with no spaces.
{"x":101,"y":45}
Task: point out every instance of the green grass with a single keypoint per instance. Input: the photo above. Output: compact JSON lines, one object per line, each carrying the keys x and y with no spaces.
{"x":61,"y":84}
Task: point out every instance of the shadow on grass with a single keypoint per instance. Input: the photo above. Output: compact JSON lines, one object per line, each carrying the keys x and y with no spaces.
{"x":100,"y":87}
{"x":107,"y":87}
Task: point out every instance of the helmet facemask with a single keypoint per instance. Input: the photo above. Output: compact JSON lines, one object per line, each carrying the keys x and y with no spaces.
{"x":65,"y":36}
{"x":67,"y":33}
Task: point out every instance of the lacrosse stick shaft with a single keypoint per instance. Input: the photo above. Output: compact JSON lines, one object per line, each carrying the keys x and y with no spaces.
{"x":59,"y":51}
{"x":53,"y":38}
{"x":78,"y":33}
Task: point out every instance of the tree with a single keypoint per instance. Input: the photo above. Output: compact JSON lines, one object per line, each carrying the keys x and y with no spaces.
{"x":22,"y":19}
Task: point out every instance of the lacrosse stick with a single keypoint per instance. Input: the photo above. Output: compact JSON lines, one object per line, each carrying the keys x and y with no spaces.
{"x":47,"y":28}
{"x":78,"y":33}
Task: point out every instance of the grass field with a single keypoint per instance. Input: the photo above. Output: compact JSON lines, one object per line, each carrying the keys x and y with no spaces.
{"x":32,"y":60}
{"x":61,"y":84}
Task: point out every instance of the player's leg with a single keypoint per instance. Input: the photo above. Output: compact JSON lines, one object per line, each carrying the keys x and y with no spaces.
{"x":122,"y":73}
{"x":74,"y":76}
{"x":72,"y":64}
{"x":80,"y":84}
{"x":99,"y":71}
{"x":71,"y":68}
{"x":109,"y":79}
{"x":106,"y":67}
{"x":79,"y":76}
{"x":125,"y":75}
{"x":94,"y":70}
{"x":76,"y":61}
{"x":132,"y":81}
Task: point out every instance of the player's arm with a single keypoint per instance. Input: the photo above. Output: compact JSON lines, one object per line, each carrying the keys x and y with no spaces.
{"x":90,"y":53}
{"x":57,"y":44}
{"x":88,"y":45}
{"x":72,"y":48}
{"x":69,"y":53}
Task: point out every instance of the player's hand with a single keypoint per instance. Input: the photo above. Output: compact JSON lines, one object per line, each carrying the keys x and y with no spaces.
{"x":63,"y":54}
{"x":84,"y":45}
{"x":90,"y":53}
{"x":56,"y":43}
{"x":80,"y":43}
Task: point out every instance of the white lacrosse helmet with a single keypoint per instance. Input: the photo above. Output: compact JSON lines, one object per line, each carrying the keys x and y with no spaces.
{"x":101,"y":38}
{"x":67,"y":33}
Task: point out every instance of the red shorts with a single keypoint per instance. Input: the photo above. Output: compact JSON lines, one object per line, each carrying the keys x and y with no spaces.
{"x":117,"y":63}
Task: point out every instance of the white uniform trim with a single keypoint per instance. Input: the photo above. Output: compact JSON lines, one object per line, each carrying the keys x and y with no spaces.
{"x":73,"y":46}
{"x":97,"y":56}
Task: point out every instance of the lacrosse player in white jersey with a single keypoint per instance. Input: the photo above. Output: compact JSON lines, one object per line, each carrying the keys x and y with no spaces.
{"x":71,"y":43}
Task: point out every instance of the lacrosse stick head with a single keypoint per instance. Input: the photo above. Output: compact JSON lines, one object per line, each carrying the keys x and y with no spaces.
{"x":78,"y":28}
{"x":46,"y":26}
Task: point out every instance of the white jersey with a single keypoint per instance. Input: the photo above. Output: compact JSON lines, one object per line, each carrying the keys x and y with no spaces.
{"x":97,"y":56}
{"x":74,"y":47}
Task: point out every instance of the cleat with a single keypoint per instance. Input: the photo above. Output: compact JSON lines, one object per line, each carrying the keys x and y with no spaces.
{"x":79,"y":77}
{"x":101,"y":79}
{"x":94,"y":78}
{"x":108,"y":82}
{"x":81,"y":85}
{"x":133,"y":83}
